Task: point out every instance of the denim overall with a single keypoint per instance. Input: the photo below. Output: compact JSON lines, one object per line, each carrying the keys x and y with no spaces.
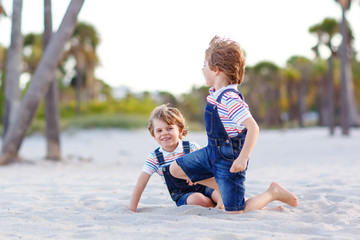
{"x":179,"y":187}
{"x":222,"y":151}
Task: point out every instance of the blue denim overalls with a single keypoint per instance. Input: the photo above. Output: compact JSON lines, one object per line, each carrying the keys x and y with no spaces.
{"x":178,"y":187}
{"x":222,"y":151}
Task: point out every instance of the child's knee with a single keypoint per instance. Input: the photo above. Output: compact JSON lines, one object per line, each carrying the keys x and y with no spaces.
{"x":199,"y":199}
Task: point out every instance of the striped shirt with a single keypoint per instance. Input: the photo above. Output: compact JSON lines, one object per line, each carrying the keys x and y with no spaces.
{"x":232,"y":109}
{"x":151,"y":165}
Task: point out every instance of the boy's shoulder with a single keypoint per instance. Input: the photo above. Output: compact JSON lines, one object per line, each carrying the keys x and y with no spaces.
{"x":152,"y":154}
{"x":230,"y":96}
{"x":224,"y":94}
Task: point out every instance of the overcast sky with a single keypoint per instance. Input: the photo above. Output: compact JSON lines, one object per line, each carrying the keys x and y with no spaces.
{"x":160,"y":44}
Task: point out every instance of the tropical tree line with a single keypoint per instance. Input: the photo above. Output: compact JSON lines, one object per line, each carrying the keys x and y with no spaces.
{"x":60,"y":70}
{"x":278,"y":96}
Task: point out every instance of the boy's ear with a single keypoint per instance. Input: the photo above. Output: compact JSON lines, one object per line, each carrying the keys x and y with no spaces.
{"x":216,"y":70}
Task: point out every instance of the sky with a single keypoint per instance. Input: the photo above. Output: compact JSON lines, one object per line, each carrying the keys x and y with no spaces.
{"x":158,"y":45}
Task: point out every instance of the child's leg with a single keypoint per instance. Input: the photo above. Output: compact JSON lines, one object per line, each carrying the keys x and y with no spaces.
{"x":177,"y":172}
{"x":199,"y":199}
{"x":274,"y":193}
{"x":216,"y":197}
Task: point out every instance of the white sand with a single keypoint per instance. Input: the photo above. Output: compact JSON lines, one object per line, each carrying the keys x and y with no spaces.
{"x":86,"y":195}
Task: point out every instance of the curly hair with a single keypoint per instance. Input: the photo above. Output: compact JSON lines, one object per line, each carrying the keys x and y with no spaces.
{"x":227,"y":55}
{"x":170,"y":115}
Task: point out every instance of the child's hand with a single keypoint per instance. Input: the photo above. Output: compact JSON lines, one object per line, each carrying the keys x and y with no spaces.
{"x":190,"y":183}
{"x":238,"y":165}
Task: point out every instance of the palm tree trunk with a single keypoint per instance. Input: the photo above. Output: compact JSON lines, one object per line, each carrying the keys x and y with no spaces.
{"x":302,"y":102}
{"x":320,"y":101}
{"x":79,"y":77}
{"x":353,"y":112}
{"x":348,"y":111}
{"x":40,"y":83}
{"x":293,"y":110}
{"x":13,"y":69}
{"x":2,"y":80}
{"x":52,"y":102}
{"x":330,"y":96}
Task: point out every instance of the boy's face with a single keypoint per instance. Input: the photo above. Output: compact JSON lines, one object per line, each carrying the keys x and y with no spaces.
{"x":209,"y":74}
{"x":167,"y":136}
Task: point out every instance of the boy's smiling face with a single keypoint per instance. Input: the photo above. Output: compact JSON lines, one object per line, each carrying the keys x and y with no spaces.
{"x":167,"y":136}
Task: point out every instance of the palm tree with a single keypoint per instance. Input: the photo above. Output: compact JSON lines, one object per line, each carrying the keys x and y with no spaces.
{"x":349,"y":115}
{"x":269,"y":73}
{"x":83,"y":43}
{"x":13,"y":69}
{"x":35,"y":43}
{"x":292,"y":78}
{"x":304,"y":66}
{"x":253,"y":91}
{"x":39,"y":84}
{"x":325,"y":32}
{"x":2,"y":77}
{"x":318,"y":92}
{"x":52,"y":102}
{"x":33,"y":51}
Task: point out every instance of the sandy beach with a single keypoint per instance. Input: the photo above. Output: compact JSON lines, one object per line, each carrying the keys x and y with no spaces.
{"x":85,"y":196}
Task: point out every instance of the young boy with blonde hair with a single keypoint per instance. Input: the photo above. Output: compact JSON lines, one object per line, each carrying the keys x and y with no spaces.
{"x":167,"y":126}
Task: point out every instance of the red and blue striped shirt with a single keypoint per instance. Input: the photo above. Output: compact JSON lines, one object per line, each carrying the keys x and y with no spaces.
{"x":232,"y":109}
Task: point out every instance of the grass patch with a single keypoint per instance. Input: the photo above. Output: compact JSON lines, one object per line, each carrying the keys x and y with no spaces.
{"x":127,"y":121}
{"x":123,"y":121}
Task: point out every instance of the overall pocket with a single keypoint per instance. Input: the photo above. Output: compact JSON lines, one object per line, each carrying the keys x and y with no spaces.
{"x":227,"y":152}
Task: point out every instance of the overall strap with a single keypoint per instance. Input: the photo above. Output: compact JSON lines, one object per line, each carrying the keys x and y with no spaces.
{"x":186,"y":147}
{"x":229,"y":90}
{"x":159,"y":156}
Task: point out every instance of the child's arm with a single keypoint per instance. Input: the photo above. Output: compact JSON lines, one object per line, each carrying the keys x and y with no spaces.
{"x":251,"y":136}
{"x":138,"y":190}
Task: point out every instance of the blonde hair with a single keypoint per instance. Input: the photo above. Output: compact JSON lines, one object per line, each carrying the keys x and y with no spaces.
{"x":170,"y":115}
{"x":227,"y":55}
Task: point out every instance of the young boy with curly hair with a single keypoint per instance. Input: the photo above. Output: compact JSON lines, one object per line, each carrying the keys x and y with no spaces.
{"x":167,"y":126}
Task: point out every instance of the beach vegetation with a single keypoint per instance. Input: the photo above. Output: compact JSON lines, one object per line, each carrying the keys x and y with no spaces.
{"x":323,"y":91}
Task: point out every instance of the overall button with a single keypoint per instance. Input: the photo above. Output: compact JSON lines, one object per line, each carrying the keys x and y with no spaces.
{"x":227,"y":141}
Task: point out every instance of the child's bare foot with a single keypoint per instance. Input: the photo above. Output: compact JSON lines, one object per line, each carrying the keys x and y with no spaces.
{"x":283,"y":195}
